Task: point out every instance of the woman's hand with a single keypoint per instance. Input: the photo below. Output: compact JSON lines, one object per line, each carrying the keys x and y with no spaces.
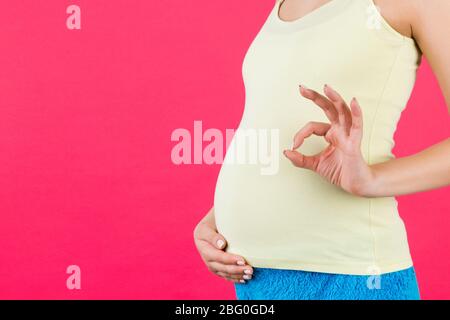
{"x":341,"y":163}
{"x":210,"y":244}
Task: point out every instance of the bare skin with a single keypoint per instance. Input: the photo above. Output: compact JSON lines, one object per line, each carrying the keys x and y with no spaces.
{"x":341,"y":163}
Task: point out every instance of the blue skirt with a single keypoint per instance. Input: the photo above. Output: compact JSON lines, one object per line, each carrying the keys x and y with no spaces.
{"x":282,"y":284}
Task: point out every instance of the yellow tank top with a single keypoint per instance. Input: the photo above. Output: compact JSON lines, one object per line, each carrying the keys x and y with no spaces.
{"x":295,"y":219}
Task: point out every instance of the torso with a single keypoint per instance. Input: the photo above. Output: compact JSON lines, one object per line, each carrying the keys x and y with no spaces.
{"x":294,"y":219}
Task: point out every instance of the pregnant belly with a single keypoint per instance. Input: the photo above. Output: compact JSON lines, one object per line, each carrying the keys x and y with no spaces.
{"x":296,"y":215}
{"x":292,"y":213}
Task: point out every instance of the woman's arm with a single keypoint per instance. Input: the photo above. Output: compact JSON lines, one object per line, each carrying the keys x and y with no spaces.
{"x":426,"y":170}
{"x":430,"y":28}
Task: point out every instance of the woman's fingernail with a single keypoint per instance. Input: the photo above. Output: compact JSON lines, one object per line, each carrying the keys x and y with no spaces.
{"x":242,"y":281}
{"x":220,"y":243}
{"x":240,"y":262}
{"x":248,"y":271}
{"x":247,"y":277}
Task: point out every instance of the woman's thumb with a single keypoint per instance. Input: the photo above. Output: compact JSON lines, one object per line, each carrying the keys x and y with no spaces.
{"x":220,"y":242}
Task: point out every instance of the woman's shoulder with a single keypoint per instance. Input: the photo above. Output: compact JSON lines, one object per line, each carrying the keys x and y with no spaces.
{"x":400,"y":14}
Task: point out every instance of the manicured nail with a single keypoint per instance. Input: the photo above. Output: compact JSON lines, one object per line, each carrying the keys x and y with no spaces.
{"x":220,"y":243}
{"x":240,"y":262}
{"x":242,"y":281}
{"x":247,"y":277}
{"x":248,"y":271}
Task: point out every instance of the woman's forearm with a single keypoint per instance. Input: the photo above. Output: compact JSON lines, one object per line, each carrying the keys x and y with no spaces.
{"x":426,"y":170}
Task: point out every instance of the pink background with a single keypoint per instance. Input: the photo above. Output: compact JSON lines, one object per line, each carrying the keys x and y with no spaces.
{"x":85,"y":124}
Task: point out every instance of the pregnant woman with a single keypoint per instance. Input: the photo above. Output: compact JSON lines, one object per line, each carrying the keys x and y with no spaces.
{"x":333,"y":78}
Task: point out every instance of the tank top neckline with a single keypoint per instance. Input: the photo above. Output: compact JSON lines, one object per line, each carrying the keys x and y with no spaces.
{"x":328,"y":12}
{"x":321,"y":14}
